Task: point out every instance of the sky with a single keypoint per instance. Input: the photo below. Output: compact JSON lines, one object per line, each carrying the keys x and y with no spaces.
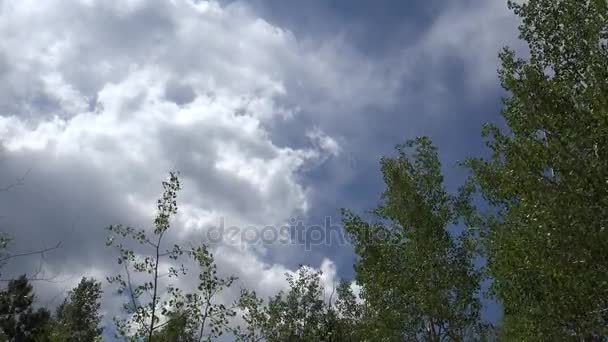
{"x":274,"y":112}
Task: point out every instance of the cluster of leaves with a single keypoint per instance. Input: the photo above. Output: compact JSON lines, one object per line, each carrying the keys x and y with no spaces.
{"x":19,"y":321}
{"x":418,"y":280}
{"x":77,"y":318}
{"x":300,"y":314}
{"x":155,"y":310}
{"x":546,"y":240}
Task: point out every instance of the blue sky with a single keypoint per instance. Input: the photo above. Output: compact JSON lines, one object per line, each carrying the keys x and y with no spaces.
{"x":270,"y":109}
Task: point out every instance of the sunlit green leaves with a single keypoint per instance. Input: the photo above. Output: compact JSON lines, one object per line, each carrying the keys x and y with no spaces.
{"x":418,"y":279}
{"x":156,"y":311}
{"x":544,"y":239}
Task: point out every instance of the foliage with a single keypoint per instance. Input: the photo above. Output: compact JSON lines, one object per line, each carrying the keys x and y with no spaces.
{"x":18,"y":319}
{"x":78,"y":317}
{"x":418,"y":281}
{"x":206,"y":318}
{"x":5,"y":240}
{"x":144,"y":315}
{"x":177,"y":329}
{"x":546,"y":240}
{"x":301,"y":314}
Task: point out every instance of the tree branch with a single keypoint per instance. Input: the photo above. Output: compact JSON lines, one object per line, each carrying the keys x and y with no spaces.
{"x":39,"y":252}
{"x":18,"y":182}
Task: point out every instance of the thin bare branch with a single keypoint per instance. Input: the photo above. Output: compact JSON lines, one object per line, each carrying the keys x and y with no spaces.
{"x":26,"y":254}
{"x":18,"y":182}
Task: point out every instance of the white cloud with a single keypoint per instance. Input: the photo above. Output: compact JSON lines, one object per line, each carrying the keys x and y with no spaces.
{"x":475,"y":34}
{"x":470,"y":33}
{"x":121,"y":82}
{"x":324,"y":142}
{"x":120,"y":92}
{"x":103,"y":97}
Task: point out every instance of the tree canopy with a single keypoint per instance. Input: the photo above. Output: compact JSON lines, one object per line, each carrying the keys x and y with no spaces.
{"x":546,"y":240}
{"x":418,"y":279}
{"x":531,"y":219}
{"x":78,"y":318}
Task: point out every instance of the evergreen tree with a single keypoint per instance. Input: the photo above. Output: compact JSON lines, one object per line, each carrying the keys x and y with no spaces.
{"x":19,"y":321}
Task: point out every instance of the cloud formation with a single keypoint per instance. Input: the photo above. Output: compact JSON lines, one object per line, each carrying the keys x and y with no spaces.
{"x":101,"y":98}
